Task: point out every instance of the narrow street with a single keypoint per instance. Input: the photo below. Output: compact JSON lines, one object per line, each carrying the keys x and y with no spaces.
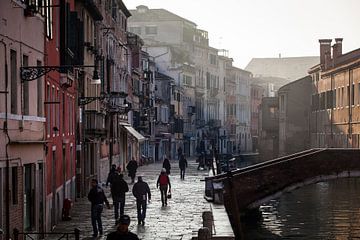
{"x":178,"y":220}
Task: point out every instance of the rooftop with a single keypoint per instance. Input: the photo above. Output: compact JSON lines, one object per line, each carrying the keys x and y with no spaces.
{"x":290,"y":68}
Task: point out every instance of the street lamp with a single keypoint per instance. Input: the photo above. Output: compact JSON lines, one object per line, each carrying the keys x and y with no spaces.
{"x":34,"y":72}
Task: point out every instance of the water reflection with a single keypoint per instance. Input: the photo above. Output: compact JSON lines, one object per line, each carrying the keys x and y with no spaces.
{"x":327,"y":210}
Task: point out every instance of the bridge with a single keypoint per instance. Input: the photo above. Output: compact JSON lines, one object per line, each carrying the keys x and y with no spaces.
{"x":249,"y":187}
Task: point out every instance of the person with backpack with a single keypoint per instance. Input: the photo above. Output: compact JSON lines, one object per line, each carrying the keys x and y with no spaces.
{"x":182,"y":165}
{"x":132,"y":167}
{"x":118,"y":189}
{"x":164,"y":182}
{"x":97,"y":198}
{"x":167,"y":165}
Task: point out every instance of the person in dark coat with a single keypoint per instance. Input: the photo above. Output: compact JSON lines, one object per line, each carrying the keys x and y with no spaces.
{"x":132,"y":167}
{"x":111,"y":175}
{"x":167,"y":166}
{"x":164,"y":182}
{"x":141,"y":192}
{"x":182,"y":165}
{"x":97,"y":198}
{"x":179,"y":152}
{"x":122,"y":232}
{"x":118,"y":189}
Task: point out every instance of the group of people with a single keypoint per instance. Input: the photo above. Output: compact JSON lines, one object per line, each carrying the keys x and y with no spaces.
{"x":141,"y":192}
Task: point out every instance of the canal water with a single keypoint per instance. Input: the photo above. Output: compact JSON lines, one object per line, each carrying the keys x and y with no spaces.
{"x":326,"y":210}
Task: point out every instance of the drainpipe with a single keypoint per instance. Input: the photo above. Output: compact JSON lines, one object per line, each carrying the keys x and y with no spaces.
{"x":7,"y":170}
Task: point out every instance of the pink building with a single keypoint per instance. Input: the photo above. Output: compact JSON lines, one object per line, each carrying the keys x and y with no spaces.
{"x":21,"y":119}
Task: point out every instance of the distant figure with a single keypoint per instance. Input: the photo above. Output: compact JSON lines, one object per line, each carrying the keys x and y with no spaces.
{"x":167,"y":166}
{"x":111,"y":174}
{"x":164,"y":182}
{"x":182,"y":165}
{"x":132,"y":167}
{"x":118,"y":189}
{"x":141,"y":192}
{"x":122,"y":231}
{"x":97,"y":198}
{"x":201,"y":160}
{"x":179,"y":152}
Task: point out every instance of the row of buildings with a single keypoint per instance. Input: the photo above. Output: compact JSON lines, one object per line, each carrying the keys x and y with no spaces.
{"x":81,"y":90}
{"x":318,"y":110}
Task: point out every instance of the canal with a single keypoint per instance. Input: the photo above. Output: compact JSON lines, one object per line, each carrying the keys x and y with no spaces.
{"x":326,"y":210}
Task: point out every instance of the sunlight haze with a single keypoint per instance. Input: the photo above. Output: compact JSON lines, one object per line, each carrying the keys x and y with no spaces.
{"x":267,"y":28}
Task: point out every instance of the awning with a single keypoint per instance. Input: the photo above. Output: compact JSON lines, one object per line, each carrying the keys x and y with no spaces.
{"x":135,"y":133}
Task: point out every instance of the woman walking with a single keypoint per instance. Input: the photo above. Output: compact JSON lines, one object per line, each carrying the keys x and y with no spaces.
{"x":164,"y":182}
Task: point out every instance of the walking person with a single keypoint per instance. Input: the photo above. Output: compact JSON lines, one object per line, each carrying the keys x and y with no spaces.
{"x":111,"y":175}
{"x":97,"y":198}
{"x":164,"y":182}
{"x":118,"y":189}
{"x":141,"y":192}
{"x":122,"y":232}
{"x":167,"y":166}
{"x":132,"y":168}
{"x":182,"y":165}
{"x":179,"y":152}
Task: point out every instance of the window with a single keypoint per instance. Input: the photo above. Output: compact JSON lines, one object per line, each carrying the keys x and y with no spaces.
{"x":282,"y":103}
{"x":151,"y":30}
{"x":64,"y":115}
{"x":353,"y":94}
{"x":48,"y":114}
{"x":53,"y":106}
{"x":329,"y":98}
{"x":39,"y":87}
{"x":136,"y":30}
{"x":57,"y":116}
{"x":14,"y":81}
{"x":358,"y":95}
{"x":114,"y":10}
{"x":26,"y":88}
{"x":187,"y":80}
{"x":212,"y":59}
{"x":14,"y":185}
{"x":49,"y":19}
{"x":334,"y":98}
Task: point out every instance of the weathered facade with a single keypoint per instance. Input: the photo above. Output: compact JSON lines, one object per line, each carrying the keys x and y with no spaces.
{"x":22,"y":119}
{"x":269,"y":128}
{"x":257,"y":93}
{"x":294,"y":116}
{"x":335,"y":97}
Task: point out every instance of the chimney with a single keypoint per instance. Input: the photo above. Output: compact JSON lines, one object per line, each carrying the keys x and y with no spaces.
{"x":325,"y":50}
{"x":337,"y":48}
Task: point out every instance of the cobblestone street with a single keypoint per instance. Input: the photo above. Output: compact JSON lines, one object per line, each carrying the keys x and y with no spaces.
{"x":178,"y":220}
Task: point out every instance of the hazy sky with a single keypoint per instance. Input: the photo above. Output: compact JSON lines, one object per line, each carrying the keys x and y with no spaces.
{"x":265,"y":28}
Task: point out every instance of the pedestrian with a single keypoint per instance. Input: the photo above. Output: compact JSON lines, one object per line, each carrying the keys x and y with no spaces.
{"x":111,"y":175}
{"x":118,"y":189}
{"x":179,"y":151}
{"x":182,"y":165}
{"x":201,"y":160}
{"x":141,"y":192}
{"x":122,"y":232}
{"x":132,"y":167}
{"x":97,"y":198}
{"x":164,"y":182}
{"x":167,"y":166}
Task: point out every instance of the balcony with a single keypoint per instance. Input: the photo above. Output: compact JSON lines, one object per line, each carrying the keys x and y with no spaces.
{"x":200,"y":123}
{"x":94,"y":123}
{"x":213,"y":92}
{"x":214,"y":123}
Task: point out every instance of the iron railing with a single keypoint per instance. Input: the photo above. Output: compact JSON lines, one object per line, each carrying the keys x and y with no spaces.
{"x":47,"y":235}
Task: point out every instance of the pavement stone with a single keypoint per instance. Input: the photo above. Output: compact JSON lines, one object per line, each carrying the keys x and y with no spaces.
{"x":177,"y":221}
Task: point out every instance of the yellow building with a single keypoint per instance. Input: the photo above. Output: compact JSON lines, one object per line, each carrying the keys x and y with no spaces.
{"x":336,"y":97}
